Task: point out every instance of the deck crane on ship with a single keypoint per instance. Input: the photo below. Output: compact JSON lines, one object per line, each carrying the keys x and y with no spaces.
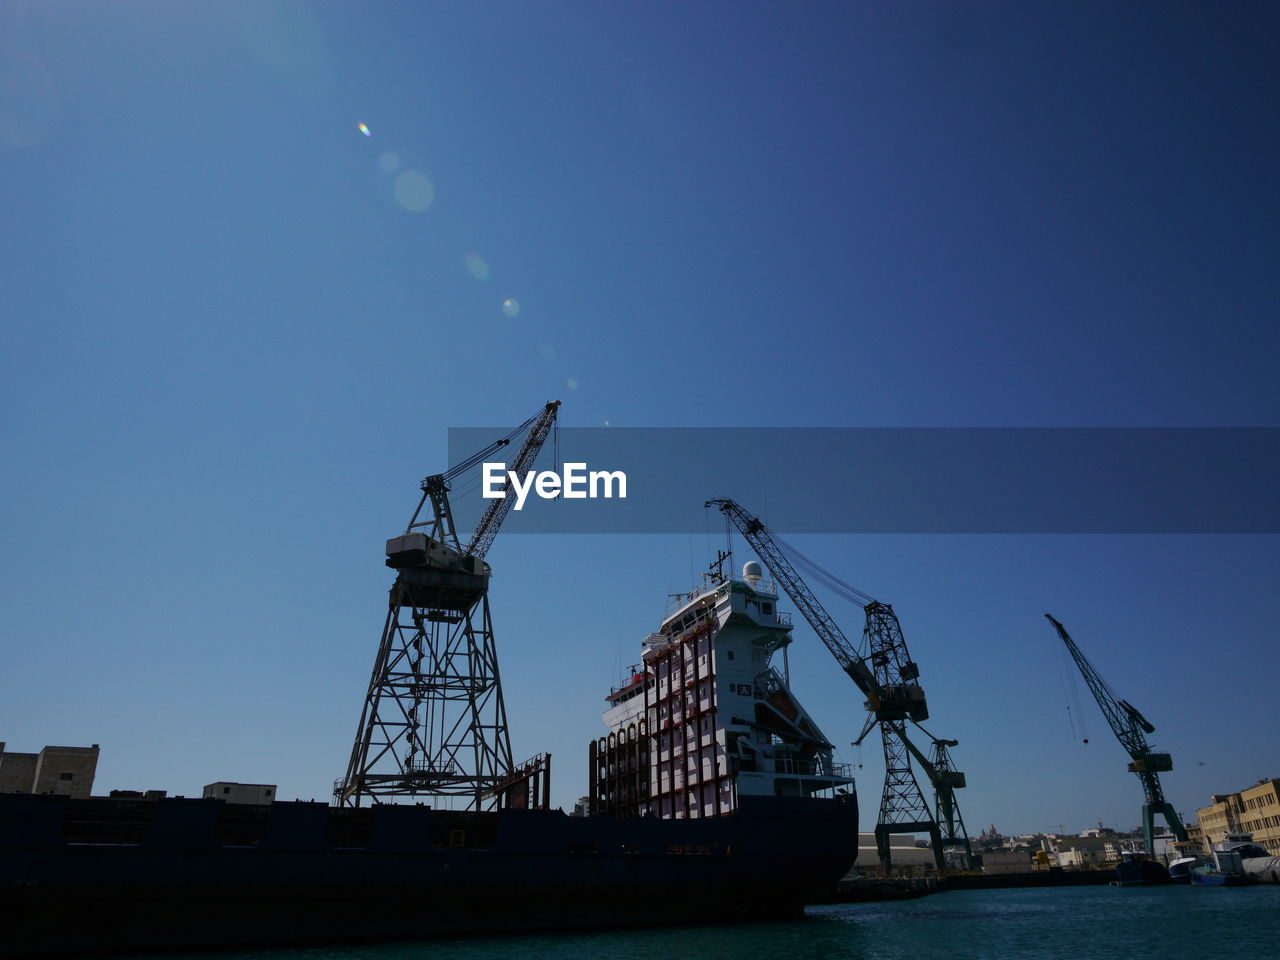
{"x":888,"y":678}
{"x":434,"y":721}
{"x":1130,"y":728}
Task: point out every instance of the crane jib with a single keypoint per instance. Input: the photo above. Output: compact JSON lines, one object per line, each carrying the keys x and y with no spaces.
{"x":887,"y":677}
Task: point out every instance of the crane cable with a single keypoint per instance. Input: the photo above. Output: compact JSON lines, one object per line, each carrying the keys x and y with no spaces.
{"x":472,"y":484}
{"x":840,"y":588}
{"x":1071,"y":692}
{"x":460,"y":468}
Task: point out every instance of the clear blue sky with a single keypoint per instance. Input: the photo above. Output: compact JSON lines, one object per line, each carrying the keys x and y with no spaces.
{"x":236,"y":330}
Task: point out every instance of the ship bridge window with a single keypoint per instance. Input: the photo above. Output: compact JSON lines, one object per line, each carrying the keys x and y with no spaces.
{"x":765,"y":607}
{"x":728,"y":654}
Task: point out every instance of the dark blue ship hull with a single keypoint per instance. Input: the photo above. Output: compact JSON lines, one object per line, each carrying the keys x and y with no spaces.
{"x":1141,"y":872}
{"x":197,"y":874}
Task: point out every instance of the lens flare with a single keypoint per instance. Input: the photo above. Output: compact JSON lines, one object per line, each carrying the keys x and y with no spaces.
{"x":389,"y":162}
{"x":476,"y":266}
{"x":414,"y":191}
{"x":571,"y":383}
{"x":363,"y":129}
{"x":511,"y":306}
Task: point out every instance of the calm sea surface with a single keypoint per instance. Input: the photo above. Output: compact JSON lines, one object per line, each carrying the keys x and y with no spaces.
{"x":1073,"y":923}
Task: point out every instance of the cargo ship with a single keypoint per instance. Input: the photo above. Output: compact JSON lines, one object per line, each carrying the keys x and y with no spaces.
{"x":713,"y":797}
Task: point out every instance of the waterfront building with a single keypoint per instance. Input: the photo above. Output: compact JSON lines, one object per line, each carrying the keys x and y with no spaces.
{"x":1261,"y":813}
{"x":240,"y":792}
{"x":64,"y":771}
{"x":1006,"y":861}
{"x":906,"y":854}
{"x":1255,"y":810}
{"x":1081,"y":851}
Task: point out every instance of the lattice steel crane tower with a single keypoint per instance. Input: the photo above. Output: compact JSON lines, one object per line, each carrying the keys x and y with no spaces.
{"x":884,"y":671}
{"x":434,"y":722}
{"x":1130,"y":728}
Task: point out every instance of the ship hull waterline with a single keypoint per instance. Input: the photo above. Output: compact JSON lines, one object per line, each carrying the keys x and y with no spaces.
{"x":544,"y":871}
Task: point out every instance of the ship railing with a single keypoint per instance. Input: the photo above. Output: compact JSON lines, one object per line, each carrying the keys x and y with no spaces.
{"x":637,"y":677}
{"x":812,"y":768}
{"x":766,"y":588}
{"x":701,"y":615}
{"x":681,"y":599}
{"x":769,"y":683}
{"x":784,"y":619}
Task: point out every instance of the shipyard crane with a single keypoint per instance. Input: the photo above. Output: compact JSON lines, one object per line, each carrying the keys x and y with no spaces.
{"x":1131,"y":729}
{"x":434,"y":721}
{"x":887,"y":676}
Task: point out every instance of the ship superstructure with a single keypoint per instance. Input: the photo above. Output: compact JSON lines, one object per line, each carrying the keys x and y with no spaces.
{"x":707,"y":716}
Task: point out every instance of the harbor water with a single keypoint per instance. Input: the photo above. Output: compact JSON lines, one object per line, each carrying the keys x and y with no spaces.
{"x":1096,"y":922}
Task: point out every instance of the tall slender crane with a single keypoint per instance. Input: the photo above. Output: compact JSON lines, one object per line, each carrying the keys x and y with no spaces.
{"x":434,"y":721}
{"x":887,"y":676}
{"x":1130,"y":728}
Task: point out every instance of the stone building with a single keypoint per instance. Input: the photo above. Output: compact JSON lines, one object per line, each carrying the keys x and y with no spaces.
{"x":1254,"y":809}
{"x":67,"y":771}
{"x":1261,"y":813}
{"x":1081,"y":852}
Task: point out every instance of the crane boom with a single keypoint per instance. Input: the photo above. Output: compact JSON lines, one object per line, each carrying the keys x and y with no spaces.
{"x":1130,"y":728}
{"x":434,"y":721}
{"x":888,"y":678}
{"x":436,"y":487}
{"x":763,"y":543}
{"x":1126,"y":723}
{"x":496,"y":512}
